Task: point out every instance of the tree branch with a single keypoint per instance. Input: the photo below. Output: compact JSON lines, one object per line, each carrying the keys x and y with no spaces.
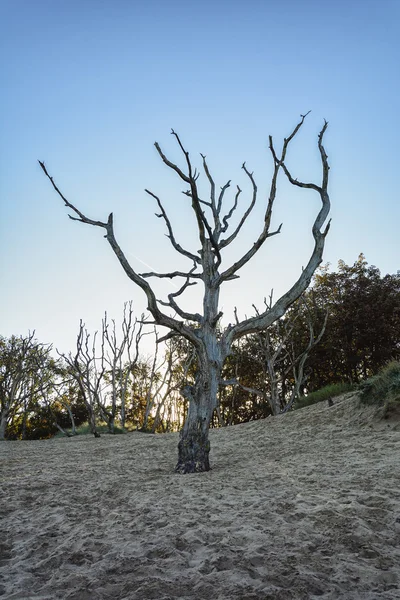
{"x":82,"y":217}
{"x":159,"y":317}
{"x":172,"y":275}
{"x":212,"y":192}
{"x":270,"y":315}
{"x":191,"y":178}
{"x":170,"y":235}
{"x":226,"y":218}
{"x":230,"y":239}
{"x":171,"y":302}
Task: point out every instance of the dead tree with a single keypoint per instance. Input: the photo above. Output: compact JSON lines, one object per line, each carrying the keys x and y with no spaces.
{"x":119,"y":369}
{"x":164,"y":388}
{"x":278,"y":357}
{"x":82,"y":367}
{"x":201,"y":330}
{"x":298,"y":361}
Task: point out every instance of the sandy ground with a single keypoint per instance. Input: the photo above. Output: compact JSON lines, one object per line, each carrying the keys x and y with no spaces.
{"x":296,"y":507}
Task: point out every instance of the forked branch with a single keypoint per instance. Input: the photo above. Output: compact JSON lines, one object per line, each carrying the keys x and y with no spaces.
{"x":230,"y":239}
{"x":265,"y":319}
{"x":159,"y":317}
{"x":171,"y":236}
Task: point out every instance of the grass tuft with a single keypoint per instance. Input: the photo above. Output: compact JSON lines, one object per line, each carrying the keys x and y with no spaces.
{"x":383,"y":389}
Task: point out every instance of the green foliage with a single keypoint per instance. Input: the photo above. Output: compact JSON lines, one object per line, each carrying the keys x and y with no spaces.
{"x":329,"y":391}
{"x":363,"y":329}
{"x":384,"y":388}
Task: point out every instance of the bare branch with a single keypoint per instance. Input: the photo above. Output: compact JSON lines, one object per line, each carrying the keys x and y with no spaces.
{"x":236,"y":382}
{"x":159,"y":317}
{"x":171,"y":165}
{"x":221,"y":195}
{"x":171,"y":302}
{"x":270,"y":315}
{"x":265,"y":234}
{"x":231,"y":271}
{"x":230,"y":239}
{"x":201,"y":220}
{"x":212,"y":183}
{"x":311,"y":186}
{"x":172,"y":275}
{"x":168,"y":336}
{"x":170,"y":235}
{"x":202,"y":223}
{"x":82,"y":217}
{"x":230,"y":213}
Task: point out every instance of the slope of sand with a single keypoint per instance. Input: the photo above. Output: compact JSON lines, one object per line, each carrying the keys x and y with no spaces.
{"x":296,"y":507}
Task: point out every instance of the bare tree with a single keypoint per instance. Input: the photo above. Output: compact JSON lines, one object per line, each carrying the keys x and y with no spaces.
{"x":279,"y":358}
{"x":83,"y":368}
{"x":162,"y":386}
{"x":298,"y":361}
{"x":201,"y":330}
{"x":115,"y":354}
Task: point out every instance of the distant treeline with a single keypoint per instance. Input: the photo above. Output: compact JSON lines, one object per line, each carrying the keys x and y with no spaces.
{"x":344,"y":329}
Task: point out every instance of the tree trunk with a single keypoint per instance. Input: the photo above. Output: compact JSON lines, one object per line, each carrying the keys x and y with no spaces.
{"x":194,"y":446}
{"x":92,"y":422}
{"x":3,"y":424}
{"x":274,"y":400}
{"x":122,"y":413}
{"x":24,"y":420}
{"x":71,"y":417}
{"x":63,"y":431}
{"x":111,"y":423}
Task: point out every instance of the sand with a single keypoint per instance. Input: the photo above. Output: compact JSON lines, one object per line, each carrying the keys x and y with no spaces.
{"x":296,"y":507}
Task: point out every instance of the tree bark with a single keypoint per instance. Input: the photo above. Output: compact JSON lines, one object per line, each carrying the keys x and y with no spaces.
{"x":71,"y":417}
{"x":92,"y":419}
{"x":194,"y":445}
{"x":111,"y":424}
{"x":3,"y":424}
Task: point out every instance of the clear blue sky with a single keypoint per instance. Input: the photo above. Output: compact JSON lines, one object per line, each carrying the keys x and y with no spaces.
{"x":89,"y":85}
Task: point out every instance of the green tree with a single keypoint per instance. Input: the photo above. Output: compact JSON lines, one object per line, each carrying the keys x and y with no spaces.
{"x":363,"y":328}
{"x":26,"y":368}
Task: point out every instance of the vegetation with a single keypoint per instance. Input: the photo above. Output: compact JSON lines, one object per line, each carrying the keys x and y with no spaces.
{"x":358,"y":312}
{"x":326,"y":393}
{"x":384,"y":388}
{"x":41,"y":396}
{"x":363,"y":329}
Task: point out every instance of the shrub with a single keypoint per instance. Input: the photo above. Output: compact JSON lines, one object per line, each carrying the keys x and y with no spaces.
{"x":329,"y":391}
{"x":383,"y":389}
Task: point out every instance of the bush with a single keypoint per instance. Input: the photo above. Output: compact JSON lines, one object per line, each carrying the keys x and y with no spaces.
{"x":329,"y":391}
{"x":384,"y":388}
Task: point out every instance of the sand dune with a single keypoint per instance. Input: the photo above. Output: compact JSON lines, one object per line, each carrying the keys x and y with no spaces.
{"x":296,"y":507}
